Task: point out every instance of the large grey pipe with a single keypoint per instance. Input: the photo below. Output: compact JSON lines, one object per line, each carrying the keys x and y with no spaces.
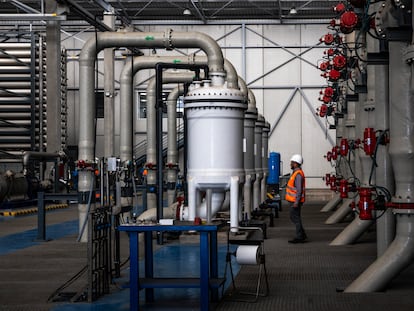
{"x":352,"y":232}
{"x":131,"y":67}
{"x":250,"y":117}
{"x":168,"y":40}
{"x":358,"y":226}
{"x":172,"y":152}
{"x":264,"y":153}
{"x":168,"y":77}
{"x":397,"y":257}
{"x":401,"y":251}
{"x":260,"y":123}
{"x":87,"y":58}
{"x":332,"y":204}
{"x":340,"y":213}
{"x":126,"y":89}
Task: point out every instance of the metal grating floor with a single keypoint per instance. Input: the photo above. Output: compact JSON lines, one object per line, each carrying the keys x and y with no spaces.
{"x":311,"y":276}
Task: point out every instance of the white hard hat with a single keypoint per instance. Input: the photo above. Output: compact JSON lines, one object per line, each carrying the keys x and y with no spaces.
{"x":297,"y":158}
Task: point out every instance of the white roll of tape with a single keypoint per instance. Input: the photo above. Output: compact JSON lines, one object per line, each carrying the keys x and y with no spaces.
{"x":248,"y":254}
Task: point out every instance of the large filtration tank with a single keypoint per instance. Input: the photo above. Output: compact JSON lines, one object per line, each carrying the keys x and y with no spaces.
{"x":215,"y":116}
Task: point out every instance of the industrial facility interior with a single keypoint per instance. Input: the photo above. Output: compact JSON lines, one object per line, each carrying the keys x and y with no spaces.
{"x":146,"y":148}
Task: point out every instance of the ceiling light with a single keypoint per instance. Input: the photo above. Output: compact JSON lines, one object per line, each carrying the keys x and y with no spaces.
{"x":293,"y":11}
{"x":187,"y":12}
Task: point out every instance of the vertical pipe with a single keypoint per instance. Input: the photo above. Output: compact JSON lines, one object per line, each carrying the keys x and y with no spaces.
{"x":400,"y":253}
{"x":260,"y":123}
{"x":384,"y":172}
{"x":265,"y":156}
{"x":103,"y":40}
{"x":109,"y":89}
{"x":172,"y":152}
{"x":234,"y":203}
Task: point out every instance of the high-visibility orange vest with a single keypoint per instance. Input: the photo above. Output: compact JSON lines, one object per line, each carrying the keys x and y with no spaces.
{"x":291,"y":190}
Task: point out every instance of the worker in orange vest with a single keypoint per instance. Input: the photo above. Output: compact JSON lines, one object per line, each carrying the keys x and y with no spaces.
{"x":295,"y":194}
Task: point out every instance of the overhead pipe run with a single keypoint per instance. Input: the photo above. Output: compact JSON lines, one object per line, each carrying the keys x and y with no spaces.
{"x":168,"y":40}
{"x":138,"y":63}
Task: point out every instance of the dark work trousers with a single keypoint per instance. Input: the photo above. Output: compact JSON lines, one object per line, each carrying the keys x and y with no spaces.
{"x":295,"y":217}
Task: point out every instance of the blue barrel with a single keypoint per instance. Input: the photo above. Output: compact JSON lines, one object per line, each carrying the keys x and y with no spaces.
{"x":274,"y":168}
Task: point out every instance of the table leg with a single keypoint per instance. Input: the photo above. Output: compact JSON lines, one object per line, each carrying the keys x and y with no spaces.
{"x":204,"y":272}
{"x":134,"y":271}
{"x":214,"y":262}
{"x":149,"y":264}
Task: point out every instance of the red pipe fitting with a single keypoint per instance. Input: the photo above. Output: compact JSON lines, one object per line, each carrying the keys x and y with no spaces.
{"x":323,"y":110}
{"x":348,"y":22}
{"x":324,"y":66}
{"x":327,"y":179}
{"x":333,"y":183}
{"x":339,"y":8}
{"x":332,"y":75}
{"x":343,"y":188}
{"x":329,"y":52}
{"x":329,"y":156}
{"x":344,"y":148}
{"x":370,"y":141}
{"x":329,"y":91}
{"x":339,"y":61}
{"x":334,"y":152}
{"x":328,"y":39}
{"x":366,"y":204}
{"x":326,"y":100}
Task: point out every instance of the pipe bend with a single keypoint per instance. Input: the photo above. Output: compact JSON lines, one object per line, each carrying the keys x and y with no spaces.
{"x":397,"y":257}
{"x":204,"y":42}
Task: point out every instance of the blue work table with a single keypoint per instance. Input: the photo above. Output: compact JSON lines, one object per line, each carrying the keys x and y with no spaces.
{"x":208,"y":262}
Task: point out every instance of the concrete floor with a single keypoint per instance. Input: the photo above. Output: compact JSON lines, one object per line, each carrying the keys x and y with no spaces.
{"x":302,"y":277}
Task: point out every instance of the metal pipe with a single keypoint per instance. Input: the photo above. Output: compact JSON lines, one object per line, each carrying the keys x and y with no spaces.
{"x":340,"y":213}
{"x":109,"y":90}
{"x":167,"y":40}
{"x":264,"y":154}
{"x":138,"y":63}
{"x":400,"y":253}
{"x":384,"y":174}
{"x":332,"y":204}
{"x":260,"y":123}
{"x":352,"y":232}
{"x":172,"y":152}
{"x":103,"y":40}
{"x":168,"y":77}
{"x":250,"y":117}
{"x":27,"y":155}
{"x":398,"y":256}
